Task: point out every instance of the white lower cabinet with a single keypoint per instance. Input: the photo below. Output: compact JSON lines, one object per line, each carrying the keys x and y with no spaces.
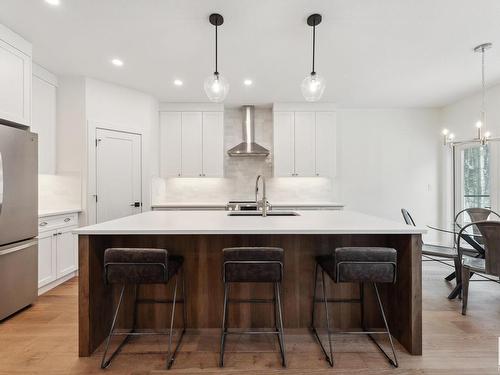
{"x":57,"y":250}
{"x":46,"y":258}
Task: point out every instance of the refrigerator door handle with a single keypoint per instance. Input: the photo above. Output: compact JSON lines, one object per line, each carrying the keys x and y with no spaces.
{"x":1,"y":182}
{"x":4,"y":250}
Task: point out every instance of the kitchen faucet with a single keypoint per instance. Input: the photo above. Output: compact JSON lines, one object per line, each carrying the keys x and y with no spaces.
{"x":262,"y":203}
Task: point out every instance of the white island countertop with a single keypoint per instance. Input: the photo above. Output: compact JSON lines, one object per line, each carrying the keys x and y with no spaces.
{"x":218,"y":222}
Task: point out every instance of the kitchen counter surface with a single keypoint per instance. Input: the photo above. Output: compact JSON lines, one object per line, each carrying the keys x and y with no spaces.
{"x":218,"y":222}
{"x":57,"y":211}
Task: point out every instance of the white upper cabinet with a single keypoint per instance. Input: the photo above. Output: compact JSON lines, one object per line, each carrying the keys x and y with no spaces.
{"x":192,"y":144}
{"x":326,"y":139}
{"x":213,"y":144}
{"x":15,"y":78}
{"x":304,"y":143}
{"x":284,"y":154}
{"x":44,"y":118}
{"x":305,"y":139}
{"x":170,"y":143}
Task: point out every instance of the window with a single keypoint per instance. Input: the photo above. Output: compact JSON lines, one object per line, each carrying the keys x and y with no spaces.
{"x":476,"y":177}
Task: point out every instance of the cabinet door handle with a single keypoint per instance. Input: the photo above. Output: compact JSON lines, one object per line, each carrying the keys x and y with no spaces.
{"x":59,"y":233}
{"x":67,"y":219}
{"x":43,"y":223}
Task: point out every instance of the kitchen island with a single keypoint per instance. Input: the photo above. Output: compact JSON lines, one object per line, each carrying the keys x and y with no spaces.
{"x":199,"y":236}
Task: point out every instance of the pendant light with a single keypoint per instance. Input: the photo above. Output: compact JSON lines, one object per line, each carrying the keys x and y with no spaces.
{"x":313,"y":85}
{"x":216,"y":86}
{"x":482,"y":138}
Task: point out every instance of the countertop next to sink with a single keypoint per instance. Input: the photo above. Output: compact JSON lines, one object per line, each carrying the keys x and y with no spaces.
{"x":222,"y":205}
{"x":218,"y":222}
{"x":57,"y":211}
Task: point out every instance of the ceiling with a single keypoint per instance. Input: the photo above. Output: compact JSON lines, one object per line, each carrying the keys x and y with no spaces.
{"x":373,"y":53}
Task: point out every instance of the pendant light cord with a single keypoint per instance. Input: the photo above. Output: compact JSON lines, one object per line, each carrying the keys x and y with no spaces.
{"x":483,"y":84}
{"x":216,"y":71}
{"x":314,"y":47}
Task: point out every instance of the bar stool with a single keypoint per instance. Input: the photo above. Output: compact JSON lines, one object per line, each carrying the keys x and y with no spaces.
{"x":134,"y":267}
{"x":253,"y":265}
{"x":356,"y":265}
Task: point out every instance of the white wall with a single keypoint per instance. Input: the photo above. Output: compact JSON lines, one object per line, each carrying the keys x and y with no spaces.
{"x":389,"y":159}
{"x":83,"y":105}
{"x":114,"y":107}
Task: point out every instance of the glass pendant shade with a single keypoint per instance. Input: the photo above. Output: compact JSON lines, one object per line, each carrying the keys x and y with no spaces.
{"x":313,"y":87}
{"x":216,"y":87}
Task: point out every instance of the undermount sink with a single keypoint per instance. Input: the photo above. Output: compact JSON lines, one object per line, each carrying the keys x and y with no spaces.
{"x":259,"y":213}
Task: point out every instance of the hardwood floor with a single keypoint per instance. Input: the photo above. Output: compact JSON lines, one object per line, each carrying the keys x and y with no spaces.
{"x":43,"y":340}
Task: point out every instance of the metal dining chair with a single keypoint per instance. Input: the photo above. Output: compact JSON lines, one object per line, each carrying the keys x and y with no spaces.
{"x":431,"y":251}
{"x":489,"y":265}
{"x":475,"y":214}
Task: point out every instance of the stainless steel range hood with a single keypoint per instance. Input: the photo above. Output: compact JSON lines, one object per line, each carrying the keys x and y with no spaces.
{"x":248,"y":147}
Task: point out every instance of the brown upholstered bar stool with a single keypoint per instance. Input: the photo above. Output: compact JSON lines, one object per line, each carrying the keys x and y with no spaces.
{"x":254,"y":265}
{"x":133,"y":267}
{"x":356,"y":265}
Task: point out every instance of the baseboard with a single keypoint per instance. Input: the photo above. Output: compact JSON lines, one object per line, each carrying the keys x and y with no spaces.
{"x":53,"y":284}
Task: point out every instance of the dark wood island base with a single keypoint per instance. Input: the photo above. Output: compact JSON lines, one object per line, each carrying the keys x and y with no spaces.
{"x":204,"y":288}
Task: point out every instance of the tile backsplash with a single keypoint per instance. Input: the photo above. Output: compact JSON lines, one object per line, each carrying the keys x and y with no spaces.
{"x":240,"y":173}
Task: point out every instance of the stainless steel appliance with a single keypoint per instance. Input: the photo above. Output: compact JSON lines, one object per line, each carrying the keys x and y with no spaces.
{"x":18,"y":218}
{"x":248,"y":147}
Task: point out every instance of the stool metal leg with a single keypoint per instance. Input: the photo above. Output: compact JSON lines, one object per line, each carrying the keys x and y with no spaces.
{"x":391,"y":361}
{"x":224,"y":326}
{"x":362,"y":304}
{"x":329,"y":358}
{"x":106,"y":362}
{"x":281,"y":335}
{"x":172,"y":354}
{"x":313,"y":327}
{"x":325,"y":302}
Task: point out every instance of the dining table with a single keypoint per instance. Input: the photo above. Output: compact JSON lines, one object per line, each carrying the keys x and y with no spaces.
{"x":475,"y":248}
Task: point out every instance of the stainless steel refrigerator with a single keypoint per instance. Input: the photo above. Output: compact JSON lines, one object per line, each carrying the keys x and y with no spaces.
{"x":18,"y":218}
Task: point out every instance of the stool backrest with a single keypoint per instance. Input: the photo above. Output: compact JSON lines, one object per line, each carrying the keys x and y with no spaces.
{"x":490,"y":232}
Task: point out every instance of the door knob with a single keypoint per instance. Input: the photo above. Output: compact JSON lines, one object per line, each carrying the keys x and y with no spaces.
{"x":136,"y":204}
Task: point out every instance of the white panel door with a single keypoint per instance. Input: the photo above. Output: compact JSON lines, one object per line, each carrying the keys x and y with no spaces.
{"x":118,"y":174}
{"x":213,"y":144}
{"x":191,"y":149}
{"x":66,"y":251}
{"x":47,"y":264}
{"x":305,"y":144}
{"x":15,"y":85}
{"x":170,"y":144}
{"x":283,"y":144}
{"x":44,"y":123}
{"x":325,"y":144}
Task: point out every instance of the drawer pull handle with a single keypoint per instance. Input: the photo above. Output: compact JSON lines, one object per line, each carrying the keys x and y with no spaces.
{"x":67,"y":219}
{"x":43,"y":223}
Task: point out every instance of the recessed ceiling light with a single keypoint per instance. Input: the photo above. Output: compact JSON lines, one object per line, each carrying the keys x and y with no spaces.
{"x":248,"y":82}
{"x":53,"y":2}
{"x":178,"y":82}
{"x":117,"y":62}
